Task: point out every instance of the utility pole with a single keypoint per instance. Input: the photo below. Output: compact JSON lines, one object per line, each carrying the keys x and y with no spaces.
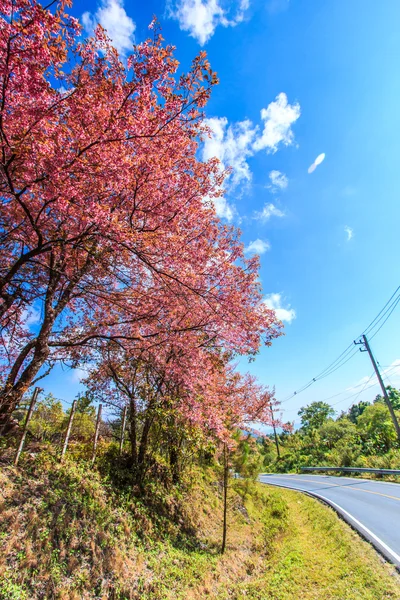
{"x":226,"y":481}
{"x":275,"y":434}
{"x":366,"y":348}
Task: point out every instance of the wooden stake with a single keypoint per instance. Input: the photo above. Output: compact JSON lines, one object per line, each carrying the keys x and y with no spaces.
{"x":25,"y":430}
{"x":121,"y":443}
{"x":68,"y":432}
{"x":226,"y":479}
{"x":96,"y":433}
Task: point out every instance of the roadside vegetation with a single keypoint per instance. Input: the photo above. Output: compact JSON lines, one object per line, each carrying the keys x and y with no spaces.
{"x":115,"y":263}
{"x":72,"y":532}
{"x":363,"y":436}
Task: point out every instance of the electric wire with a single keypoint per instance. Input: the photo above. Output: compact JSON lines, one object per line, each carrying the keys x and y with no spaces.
{"x":363,"y":384}
{"x":349,"y":352}
{"x":381,"y":311}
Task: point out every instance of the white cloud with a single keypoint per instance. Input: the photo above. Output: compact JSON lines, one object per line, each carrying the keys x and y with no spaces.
{"x":278,"y":118}
{"x":231,"y":144}
{"x":278,"y":181}
{"x":349,"y":232}
{"x":320,"y":158}
{"x":257,"y":247}
{"x":30,"y":316}
{"x":268,"y":211}
{"x":274,"y":301}
{"x":78,"y":374}
{"x":201,"y":17}
{"x":112,"y":15}
{"x":393,"y":371}
{"x":223,"y":209}
{"x":234,"y":143}
{"x":390,"y":375}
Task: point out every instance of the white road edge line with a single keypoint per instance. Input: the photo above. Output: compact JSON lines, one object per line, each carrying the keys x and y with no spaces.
{"x":348,"y":515}
{"x":368,"y":531}
{"x":357,"y":479}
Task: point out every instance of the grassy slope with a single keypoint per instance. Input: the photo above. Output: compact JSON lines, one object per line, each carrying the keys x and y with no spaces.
{"x":64,"y":533}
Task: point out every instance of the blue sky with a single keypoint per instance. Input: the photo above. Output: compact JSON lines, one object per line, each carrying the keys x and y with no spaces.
{"x":298,"y":79}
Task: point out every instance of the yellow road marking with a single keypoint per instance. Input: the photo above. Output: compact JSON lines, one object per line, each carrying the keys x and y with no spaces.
{"x":293,"y":477}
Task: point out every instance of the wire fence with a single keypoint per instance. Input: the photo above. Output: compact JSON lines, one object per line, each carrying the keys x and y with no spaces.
{"x":102,"y":424}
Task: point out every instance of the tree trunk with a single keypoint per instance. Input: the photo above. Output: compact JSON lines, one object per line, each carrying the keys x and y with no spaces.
{"x":133,"y":432}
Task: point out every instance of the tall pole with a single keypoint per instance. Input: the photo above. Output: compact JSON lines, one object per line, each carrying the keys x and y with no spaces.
{"x":28,"y":418}
{"x":367,"y":348}
{"x":275,"y":434}
{"x":71,"y":417}
{"x":121,"y":443}
{"x":96,"y":433}
{"x":226,"y":480}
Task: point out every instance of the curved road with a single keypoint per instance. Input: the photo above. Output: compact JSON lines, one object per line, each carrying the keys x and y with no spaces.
{"x":371,"y":507}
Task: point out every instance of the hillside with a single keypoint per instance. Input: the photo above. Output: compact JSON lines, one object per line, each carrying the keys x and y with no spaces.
{"x":69,"y":533}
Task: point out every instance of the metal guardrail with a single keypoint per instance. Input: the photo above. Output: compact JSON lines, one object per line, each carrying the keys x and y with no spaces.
{"x":353,"y":470}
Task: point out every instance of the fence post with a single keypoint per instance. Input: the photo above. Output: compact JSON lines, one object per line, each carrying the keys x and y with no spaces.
{"x":25,"y":429}
{"x":68,"y":432}
{"x":121,"y":443}
{"x":96,"y":433}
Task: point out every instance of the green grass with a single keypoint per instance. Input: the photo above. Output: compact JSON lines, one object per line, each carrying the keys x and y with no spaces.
{"x":67,"y":533}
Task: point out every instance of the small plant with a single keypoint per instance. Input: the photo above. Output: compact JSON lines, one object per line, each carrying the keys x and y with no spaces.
{"x":9,"y":590}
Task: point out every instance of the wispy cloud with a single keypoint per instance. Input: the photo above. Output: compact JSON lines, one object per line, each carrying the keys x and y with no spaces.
{"x":235,"y":143}
{"x":258,"y":247}
{"x":277,"y":6}
{"x":78,"y":374}
{"x":201,"y":17}
{"x":390,"y":374}
{"x":279,"y":181}
{"x":112,"y":15}
{"x":278,"y":117}
{"x":349,"y":232}
{"x":320,"y":158}
{"x":269,"y":210}
{"x":232,"y":145}
{"x":223,"y":209}
{"x":274,"y":302}
{"x":30,"y":316}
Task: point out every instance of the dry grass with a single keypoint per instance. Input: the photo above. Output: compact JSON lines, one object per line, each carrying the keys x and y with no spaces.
{"x":65,"y":534}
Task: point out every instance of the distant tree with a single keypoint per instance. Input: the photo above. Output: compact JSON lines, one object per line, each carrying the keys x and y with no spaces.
{"x":356,"y":410}
{"x":314,"y":415}
{"x":84,"y":404}
{"x":47,"y":420}
{"x":394,"y":397}
{"x":376,"y":429}
{"x":342,"y":430}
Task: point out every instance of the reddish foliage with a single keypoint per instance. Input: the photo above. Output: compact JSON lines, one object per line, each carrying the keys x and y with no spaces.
{"x":107,"y":223}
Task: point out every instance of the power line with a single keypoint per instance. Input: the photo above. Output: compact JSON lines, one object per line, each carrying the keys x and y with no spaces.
{"x":367,"y":330}
{"x":349,"y":352}
{"x":382,"y":324}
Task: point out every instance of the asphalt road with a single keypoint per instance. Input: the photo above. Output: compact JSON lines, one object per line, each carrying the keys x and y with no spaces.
{"x":371,"y":507}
